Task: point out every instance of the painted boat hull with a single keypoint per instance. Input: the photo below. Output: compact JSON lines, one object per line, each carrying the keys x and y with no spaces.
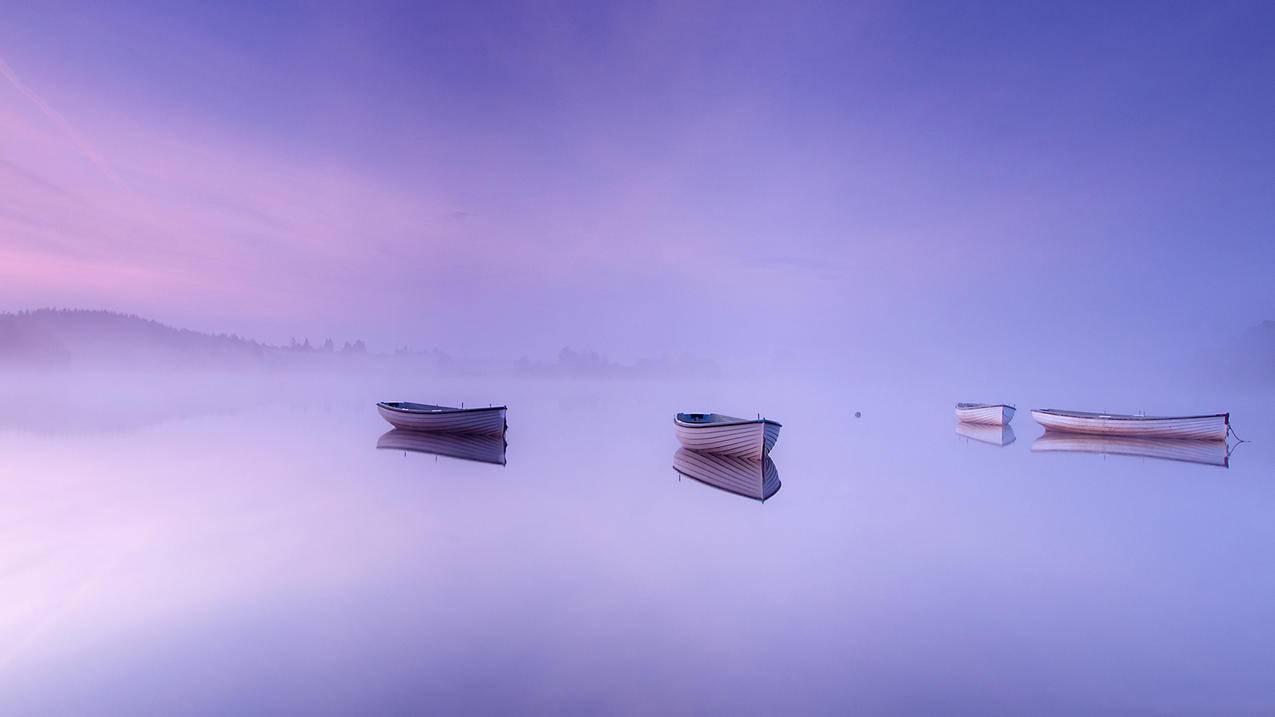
{"x":758,"y":480}
{"x":1213,"y":453}
{"x":986,"y":433}
{"x":480,"y":447}
{"x":1202,"y":428}
{"x":488,"y":421}
{"x":991,"y":415}
{"x":744,"y":439}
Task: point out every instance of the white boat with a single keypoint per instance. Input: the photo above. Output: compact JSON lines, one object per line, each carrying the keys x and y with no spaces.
{"x":1212,"y":427}
{"x":986,"y":433}
{"x":726,"y":435}
{"x":1213,"y":453}
{"x":481,"y":447}
{"x":758,"y":480}
{"x":992,"y":414}
{"x":444,"y":419}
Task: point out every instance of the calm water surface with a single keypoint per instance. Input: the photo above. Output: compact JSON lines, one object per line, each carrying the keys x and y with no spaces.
{"x":247,"y":550}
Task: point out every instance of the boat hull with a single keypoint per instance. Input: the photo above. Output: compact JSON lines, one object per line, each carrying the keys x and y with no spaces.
{"x":1201,"y":428}
{"x":487,"y":421}
{"x":748,"y":439}
{"x":999,"y":415}
{"x":480,"y":447}
{"x":758,"y":480}
{"x":1213,"y":453}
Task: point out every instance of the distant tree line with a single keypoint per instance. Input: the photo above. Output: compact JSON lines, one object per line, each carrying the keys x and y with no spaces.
{"x":328,"y":347}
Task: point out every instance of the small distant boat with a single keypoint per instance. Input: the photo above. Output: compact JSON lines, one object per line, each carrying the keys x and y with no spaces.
{"x":758,"y":480}
{"x":1211,"y":427}
{"x":1213,"y":453}
{"x":445,"y":419}
{"x":992,"y":414}
{"x":726,"y":435}
{"x":480,"y":447}
{"x":986,"y":433}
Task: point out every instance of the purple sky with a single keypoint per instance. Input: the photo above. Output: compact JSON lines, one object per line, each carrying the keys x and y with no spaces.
{"x":640,"y":178}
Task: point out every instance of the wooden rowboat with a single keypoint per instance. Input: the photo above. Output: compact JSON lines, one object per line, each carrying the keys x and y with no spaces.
{"x":444,"y":419}
{"x":758,"y":480}
{"x":994,"y":414}
{"x":726,"y":435}
{"x":986,"y":433}
{"x":1213,"y":453}
{"x":480,"y":447}
{"x":1212,"y":427}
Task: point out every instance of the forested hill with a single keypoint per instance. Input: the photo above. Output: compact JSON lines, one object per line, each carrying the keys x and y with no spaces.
{"x":61,"y":337}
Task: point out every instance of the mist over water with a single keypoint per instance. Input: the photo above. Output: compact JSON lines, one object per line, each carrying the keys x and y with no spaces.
{"x":238,"y":543}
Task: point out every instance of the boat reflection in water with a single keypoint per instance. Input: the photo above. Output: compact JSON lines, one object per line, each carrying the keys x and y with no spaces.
{"x":1213,"y":453}
{"x":758,"y":480}
{"x":986,"y":433}
{"x":465,"y":446}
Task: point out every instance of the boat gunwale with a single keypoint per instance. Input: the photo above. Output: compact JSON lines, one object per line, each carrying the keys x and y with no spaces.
{"x":972,"y":406}
{"x":677,"y":420}
{"x":1125,"y":417}
{"x":438,"y":410}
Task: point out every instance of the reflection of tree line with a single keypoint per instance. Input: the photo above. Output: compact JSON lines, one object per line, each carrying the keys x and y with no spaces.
{"x":94,"y":412}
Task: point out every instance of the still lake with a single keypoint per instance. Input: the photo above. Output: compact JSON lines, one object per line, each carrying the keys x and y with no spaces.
{"x":244,"y":547}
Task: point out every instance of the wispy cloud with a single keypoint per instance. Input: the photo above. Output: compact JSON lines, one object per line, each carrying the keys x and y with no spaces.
{"x":62,"y":124}
{"x":37,"y":180}
{"x":822,"y":267}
